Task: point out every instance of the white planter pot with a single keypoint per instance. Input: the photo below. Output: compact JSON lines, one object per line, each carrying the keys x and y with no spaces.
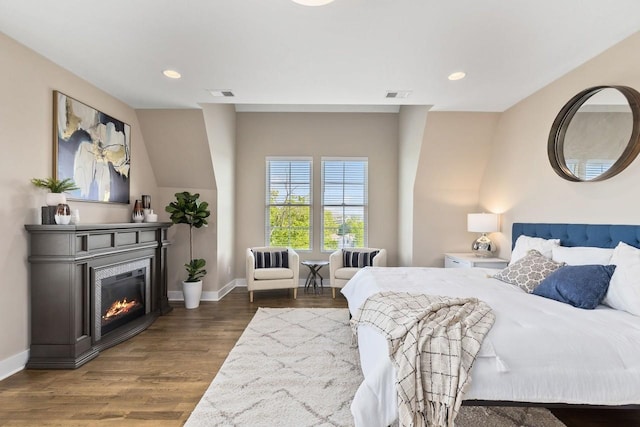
{"x":54,"y":199}
{"x":192,"y":292}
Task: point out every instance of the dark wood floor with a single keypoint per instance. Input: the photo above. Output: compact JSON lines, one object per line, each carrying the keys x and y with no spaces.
{"x":157,"y":377}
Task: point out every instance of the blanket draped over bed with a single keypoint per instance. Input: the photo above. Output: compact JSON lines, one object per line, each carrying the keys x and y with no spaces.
{"x":433,"y":342}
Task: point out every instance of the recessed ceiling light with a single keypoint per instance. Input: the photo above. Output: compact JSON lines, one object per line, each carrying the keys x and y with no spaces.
{"x":227,"y":93}
{"x":458,"y":75}
{"x":172,"y":74}
{"x":312,"y":2}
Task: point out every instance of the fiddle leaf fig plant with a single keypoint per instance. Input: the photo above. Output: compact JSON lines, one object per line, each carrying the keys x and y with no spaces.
{"x":188,"y":209}
{"x":195,"y":270}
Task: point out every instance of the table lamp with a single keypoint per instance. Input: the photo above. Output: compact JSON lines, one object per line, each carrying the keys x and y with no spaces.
{"x":483,"y":223}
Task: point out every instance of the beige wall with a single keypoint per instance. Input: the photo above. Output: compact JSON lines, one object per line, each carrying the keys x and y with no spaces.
{"x":452,"y":163}
{"x":180,"y":156}
{"x":220,"y":122}
{"x":26,"y":84}
{"x":194,"y":150}
{"x":316,"y":134}
{"x":411,"y":126}
{"x":519,"y":179}
{"x":178,"y":147}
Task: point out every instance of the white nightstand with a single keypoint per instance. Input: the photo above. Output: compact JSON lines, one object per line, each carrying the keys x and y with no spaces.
{"x":468,"y":260}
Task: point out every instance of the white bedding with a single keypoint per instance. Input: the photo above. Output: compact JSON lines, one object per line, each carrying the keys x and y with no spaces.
{"x":538,"y":350}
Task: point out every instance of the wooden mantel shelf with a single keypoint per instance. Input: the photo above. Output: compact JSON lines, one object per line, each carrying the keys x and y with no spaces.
{"x":100,"y":226}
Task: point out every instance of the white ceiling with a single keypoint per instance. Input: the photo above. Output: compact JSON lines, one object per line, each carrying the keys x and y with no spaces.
{"x":348,"y":53}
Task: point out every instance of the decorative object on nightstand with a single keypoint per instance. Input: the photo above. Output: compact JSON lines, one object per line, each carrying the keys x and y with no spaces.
{"x":469,"y":260}
{"x":483,"y":223}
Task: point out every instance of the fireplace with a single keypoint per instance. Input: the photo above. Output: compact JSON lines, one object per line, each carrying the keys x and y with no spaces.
{"x":122,"y":299}
{"x":93,"y":286}
{"x":121,"y":296}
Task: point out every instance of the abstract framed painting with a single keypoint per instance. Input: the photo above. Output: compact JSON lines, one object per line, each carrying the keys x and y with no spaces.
{"x":93,"y":149}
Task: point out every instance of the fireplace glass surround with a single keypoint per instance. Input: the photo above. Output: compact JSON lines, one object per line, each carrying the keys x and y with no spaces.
{"x":122,"y":299}
{"x":121,"y":295}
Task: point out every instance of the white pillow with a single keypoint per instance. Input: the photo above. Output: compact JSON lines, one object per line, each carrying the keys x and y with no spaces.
{"x":525,"y":243}
{"x":581,"y":255}
{"x":624,"y":288}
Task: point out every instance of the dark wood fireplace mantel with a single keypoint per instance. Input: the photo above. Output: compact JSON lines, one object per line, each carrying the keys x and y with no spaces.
{"x":63,"y":263}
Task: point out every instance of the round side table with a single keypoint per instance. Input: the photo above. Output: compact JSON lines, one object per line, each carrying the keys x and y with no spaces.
{"x":314,"y":274}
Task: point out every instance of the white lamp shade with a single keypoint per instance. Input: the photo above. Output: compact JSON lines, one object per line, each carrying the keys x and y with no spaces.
{"x":483,"y":222}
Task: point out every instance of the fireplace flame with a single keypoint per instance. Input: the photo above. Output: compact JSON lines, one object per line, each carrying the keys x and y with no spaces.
{"x":119,"y":308}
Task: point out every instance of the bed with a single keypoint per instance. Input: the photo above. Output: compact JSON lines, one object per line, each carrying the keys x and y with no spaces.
{"x":539,"y":351}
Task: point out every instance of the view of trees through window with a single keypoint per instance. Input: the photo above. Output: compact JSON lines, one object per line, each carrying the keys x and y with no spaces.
{"x":288,"y":204}
{"x":289,"y":207}
{"x":344,"y":204}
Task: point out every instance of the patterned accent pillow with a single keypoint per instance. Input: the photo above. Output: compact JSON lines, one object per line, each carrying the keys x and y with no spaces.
{"x":529,"y":271}
{"x":269,"y":259}
{"x":358,"y":259}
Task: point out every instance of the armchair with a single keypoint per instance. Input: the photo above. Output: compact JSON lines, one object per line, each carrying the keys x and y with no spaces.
{"x":344,"y":263}
{"x":272,"y":268}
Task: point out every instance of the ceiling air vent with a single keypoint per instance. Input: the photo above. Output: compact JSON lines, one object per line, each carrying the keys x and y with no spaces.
{"x":225,"y":93}
{"x":398,"y":93}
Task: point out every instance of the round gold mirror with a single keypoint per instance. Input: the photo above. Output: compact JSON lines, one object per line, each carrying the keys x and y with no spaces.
{"x":596,"y":135}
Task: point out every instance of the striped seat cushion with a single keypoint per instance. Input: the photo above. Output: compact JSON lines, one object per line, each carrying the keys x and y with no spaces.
{"x":358,"y":259}
{"x":271,"y":259}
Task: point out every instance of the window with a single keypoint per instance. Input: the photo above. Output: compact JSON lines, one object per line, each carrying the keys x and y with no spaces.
{"x":288,"y":203}
{"x":588,"y":169}
{"x":595,"y":168}
{"x":344,"y":203}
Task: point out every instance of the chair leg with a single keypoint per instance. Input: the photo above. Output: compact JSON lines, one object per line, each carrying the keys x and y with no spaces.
{"x":250,"y":296}
{"x":333,"y":293}
{"x":295,"y":293}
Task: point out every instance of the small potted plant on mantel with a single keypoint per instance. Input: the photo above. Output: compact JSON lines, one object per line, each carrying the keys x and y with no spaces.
{"x":187,"y":209}
{"x":56,"y":188}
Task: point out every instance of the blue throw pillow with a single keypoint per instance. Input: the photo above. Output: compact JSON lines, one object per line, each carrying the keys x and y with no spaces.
{"x":582,"y":286}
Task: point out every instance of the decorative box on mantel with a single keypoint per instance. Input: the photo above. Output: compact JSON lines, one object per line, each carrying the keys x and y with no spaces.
{"x":92,"y":287}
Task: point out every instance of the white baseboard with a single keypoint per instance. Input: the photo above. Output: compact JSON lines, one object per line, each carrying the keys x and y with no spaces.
{"x":206,"y":295}
{"x":218,"y":295}
{"x":13,"y":364}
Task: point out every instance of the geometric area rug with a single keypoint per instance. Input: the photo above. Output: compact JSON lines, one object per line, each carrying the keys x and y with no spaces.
{"x":297,"y":367}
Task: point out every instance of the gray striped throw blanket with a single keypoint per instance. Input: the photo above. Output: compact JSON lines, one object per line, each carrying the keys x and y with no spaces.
{"x":433,"y":342}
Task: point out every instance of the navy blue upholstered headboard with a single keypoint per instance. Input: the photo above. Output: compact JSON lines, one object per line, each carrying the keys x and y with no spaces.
{"x":598,"y":235}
